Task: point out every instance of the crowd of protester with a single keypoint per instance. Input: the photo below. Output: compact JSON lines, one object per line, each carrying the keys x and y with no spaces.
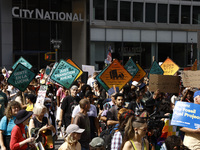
{"x":88,"y":117}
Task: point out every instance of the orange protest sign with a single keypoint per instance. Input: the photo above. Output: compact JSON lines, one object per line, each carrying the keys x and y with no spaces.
{"x":169,"y":67}
{"x":140,"y":74}
{"x":116,"y":75}
{"x":73,"y":64}
{"x":194,"y":66}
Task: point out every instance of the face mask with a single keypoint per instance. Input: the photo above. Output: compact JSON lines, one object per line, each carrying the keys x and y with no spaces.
{"x":48,"y":105}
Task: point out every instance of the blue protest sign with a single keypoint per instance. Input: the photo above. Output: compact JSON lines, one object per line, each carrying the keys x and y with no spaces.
{"x":100,"y":81}
{"x":186,"y":115}
{"x":156,"y":69}
{"x":131,"y":67}
{"x":22,"y":61}
{"x":64,"y":74}
{"x":21,"y":77}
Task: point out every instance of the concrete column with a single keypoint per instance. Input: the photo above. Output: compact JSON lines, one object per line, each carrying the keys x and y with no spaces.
{"x":154,"y":51}
{"x":6,"y":34}
{"x":79,"y":34}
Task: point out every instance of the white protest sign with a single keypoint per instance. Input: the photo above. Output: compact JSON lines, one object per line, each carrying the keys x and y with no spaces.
{"x":41,"y":94}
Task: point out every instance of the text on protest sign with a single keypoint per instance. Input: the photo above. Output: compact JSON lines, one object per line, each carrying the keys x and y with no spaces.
{"x":191,"y":78}
{"x":186,"y":115}
{"x":169,"y":67}
{"x":167,"y":84}
{"x":131,"y":67}
{"x":75,"y":65}
{"x":22,"y":61}
{"x":41,"y":94}
{"x":140,"y":74}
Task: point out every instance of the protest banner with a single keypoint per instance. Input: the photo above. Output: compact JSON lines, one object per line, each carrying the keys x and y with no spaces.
{"x":186,"y":115}
{"x":140,"y":74}
{"x":64,"y":74}
{"x":22,"y":61}
{"x":131,"y":67}
{"x":41,"y":94}
{"x":166,"y":84}
{"x":89,"y":69}
{"x":191,"y":78}
{"x":116,"y":75}
{"x":169,"y":67}
{"x":21,"y":77}
{"x":155,"y":69}
{"x":75,"y":65}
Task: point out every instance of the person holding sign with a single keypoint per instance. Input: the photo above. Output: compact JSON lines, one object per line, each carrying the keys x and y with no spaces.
{"x":192,"y":138}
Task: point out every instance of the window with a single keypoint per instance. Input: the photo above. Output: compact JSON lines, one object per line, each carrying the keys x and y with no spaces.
{"x":174,"y":13}
{"x":150,"y":12}
{"x":125,"y":11}
{"x":162,"y":13}
{"x":112,"y":10}
{"x":164,"y":51}
{"x":185,"y":14}
{"x":137,"y":12}
{"x":98,"y":9}
{"x":196,"y":15}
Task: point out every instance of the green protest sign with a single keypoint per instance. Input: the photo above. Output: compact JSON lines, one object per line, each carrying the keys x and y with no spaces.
{"x":156,"y":69}
{"x":100,"y":81}
{"x":131,"y":67}
{"x":21,"y":77}
{"x":64,"y":74}
{"x":22,"y":61}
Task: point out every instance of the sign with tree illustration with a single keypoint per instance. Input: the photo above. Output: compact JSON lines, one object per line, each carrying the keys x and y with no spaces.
{"x":156,"y":69}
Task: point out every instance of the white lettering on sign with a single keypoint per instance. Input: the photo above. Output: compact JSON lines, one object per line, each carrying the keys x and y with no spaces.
{"x":46,"y":15}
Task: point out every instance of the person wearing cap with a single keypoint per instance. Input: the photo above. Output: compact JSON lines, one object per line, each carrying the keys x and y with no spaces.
{"x":73,"y":134}
{"x":97,"y":143}
{"x":18,"y":140}
{"x":68,"y":104}
{"x":192,"y":138}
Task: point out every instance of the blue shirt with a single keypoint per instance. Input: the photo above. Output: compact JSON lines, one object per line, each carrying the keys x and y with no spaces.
{"x":7,"y":128}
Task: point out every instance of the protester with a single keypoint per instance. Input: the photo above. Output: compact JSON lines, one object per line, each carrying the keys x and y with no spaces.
{"x":7,"y":124}
{"x":19,"y":138}
{"x":3,"y":102}
{"x":30,"y":100}
{"x":97,"y":143}
{"x":73,"y":134}
{"x":188,"y":96}
{"x":92,"y":79}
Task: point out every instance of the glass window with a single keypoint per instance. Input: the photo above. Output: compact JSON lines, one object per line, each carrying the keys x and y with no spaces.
{"x":162,"y":13}
{"x":146,"y":55}
{"x":185,"y":14}
{"x":196,"y":15}
{"x":112,"y":10}
{"x":137,"y":12}
{"x":125,"y":11}
{"x":150,"y":12}
{"x":164,"y":51}
{"x":174,"y":13}
{"x":98,"y":9}
{"x":179,"y":52}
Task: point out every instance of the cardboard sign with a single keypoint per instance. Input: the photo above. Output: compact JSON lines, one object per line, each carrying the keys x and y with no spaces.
{"x":73,"y":64}
{"x":131,"y":67}
{"x":22,"y":61}
{"x":100,"y":81}
{"x":140,"y":74}
{"x":21,"y":77}
{"x":156,"y":69}
{"x":191,"y":78}
{"x":64,"y":74}
{"x":186,"y":115}
{"x":169,"y":67}
{"x":116,"y":75}
{"x":41,"y":94}
{"x":166,"y":84}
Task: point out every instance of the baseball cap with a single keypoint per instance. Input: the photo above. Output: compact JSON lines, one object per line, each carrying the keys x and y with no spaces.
{"x":197,"y":93}
{"x":97,"y":142}
{"x":73,"y":128}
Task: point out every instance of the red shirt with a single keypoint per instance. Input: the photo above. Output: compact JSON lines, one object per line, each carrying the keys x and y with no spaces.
{"x":18,"y":135}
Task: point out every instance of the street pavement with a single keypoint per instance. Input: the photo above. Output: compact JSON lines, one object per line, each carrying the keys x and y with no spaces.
{"x":59,"y":142}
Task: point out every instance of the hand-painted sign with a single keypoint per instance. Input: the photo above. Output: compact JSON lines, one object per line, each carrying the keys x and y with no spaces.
{"x":73,"y":64}
{"x":21,"y":77}
{"x":169,"y":67}
{"x":116,"y":75}
{"x":191,"y":78}
{"x":140,"y":74}
{"x":131,"y":67}
{"x":156,"y":69}
{"x":64,"y":74}
{"x":186,"y":115}
{"x":100,"y":81}
{"x":22,"y":61}
{"x":41,"y":94}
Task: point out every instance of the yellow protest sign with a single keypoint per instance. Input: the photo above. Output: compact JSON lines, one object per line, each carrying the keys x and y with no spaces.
{"x":140,"y":74}
{"x":73,"y":64}
{"x":169,"y":67}
{"x":116,"y":75}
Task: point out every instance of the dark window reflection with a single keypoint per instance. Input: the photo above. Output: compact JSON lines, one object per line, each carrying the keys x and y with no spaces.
{"x":98,"y":8}
{"x":179,"y":52}
{"x":137,"y":12}
{"x":185,"y":14}
{"x":112,"y":10}
{"x":150,"y":12}
{"x":174,"y":12}
{"x":125,"y":11}
{"x":162,"y":13}
{"x":196,"y":15}
{"x":164,"y":51}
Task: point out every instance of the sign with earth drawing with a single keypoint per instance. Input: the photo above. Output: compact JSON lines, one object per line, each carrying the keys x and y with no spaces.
{"x":64,"y":74}
{"x":22,"y":61}
{"x":131,"y":67}
{"x":21,"y":77}
{"x":156,"y":69}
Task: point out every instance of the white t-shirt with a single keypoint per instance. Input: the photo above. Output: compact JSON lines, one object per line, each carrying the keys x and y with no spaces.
{"x":91,"y":113}
{"x":90,"y":81}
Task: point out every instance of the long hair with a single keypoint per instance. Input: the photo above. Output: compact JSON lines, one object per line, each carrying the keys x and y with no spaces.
{"x":8,"y":111}
{"x":70,"y":140}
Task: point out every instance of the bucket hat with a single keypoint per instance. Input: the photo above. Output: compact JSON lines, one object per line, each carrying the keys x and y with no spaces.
{"x":22,"y":115}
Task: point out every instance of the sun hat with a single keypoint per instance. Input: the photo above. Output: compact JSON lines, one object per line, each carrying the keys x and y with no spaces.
{"x":97,"y":142}
{"x":73,"y":128}
{"x":22,"y":115}
{"x":197,"y":93}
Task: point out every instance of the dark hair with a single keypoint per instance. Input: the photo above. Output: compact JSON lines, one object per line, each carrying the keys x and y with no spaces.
{"x":32,"y":97}
{"x":119,"y":94}
{"x":173,"y":141}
